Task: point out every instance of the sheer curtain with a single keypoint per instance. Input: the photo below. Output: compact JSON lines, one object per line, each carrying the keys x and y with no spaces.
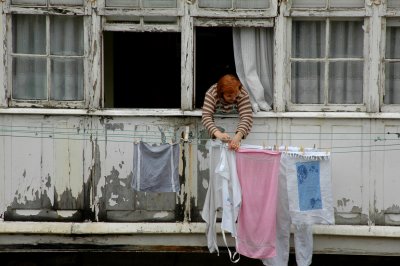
{"x":30,"y":58}
{"x":308,"y":42}
{"x":145,"y":3}
{"x":392,"y":69}
{"x":346,"y":77}
{"x":29,"y":72}
{"x":345,"y":62}
{"x":66,"y":48}
{"x":253,"y":51}
{"x":244,"y":4}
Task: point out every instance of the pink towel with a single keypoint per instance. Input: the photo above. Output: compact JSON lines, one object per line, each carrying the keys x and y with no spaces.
{"x":256,"y":229}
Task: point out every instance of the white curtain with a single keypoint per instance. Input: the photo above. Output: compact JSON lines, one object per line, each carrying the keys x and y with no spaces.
{"x":392,"y":69}
{"x":308,"y":42}
{"x":345,"y":78}
{"x":145,"y":3}
{"x":52,"y":2}
{"x":29,"y":72}
{"x":244,"y":4}
{"x":253,"y":51}
{"x":30,"y":58}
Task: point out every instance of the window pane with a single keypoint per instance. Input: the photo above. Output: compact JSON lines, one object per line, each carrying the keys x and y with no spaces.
{"x":347,"y":39}
{"x":308,"y":39}
{"x":159,"y":3}
{"x":216,"y":3}
{"x":66,"y":79}
{"x":124,"y":3}
{"x":393,"y":3}
{"x":309,"y":3}
{"x":256,"y":4}
{"x":392,"y":83}
{"x":347,"y":3}
{"x":346,"y":82}
{"x":29,"y":34}
{"x":31,"y":2}
{"x":393,"y":43}
{"x":66,"y":35}
{"x":66,"y":2}
{"x":29,"y":78}
{"x":307,"y":82}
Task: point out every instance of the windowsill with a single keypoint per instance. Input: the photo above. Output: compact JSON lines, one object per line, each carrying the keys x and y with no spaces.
{"x":194,"y":113}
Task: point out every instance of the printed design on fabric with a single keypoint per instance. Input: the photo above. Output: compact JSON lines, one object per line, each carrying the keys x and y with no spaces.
{"x":309,"y":188}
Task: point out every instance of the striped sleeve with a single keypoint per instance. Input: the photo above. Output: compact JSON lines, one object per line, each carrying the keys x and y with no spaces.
{"x":209,"y":106}
{"x":245,"y":114}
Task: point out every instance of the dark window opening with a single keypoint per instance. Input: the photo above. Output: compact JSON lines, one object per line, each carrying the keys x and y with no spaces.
{"x":142,"y":70}
{"x":214,"y":58}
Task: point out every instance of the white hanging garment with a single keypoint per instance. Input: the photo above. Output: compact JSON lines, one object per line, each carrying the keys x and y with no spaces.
{"x":223,"y":193}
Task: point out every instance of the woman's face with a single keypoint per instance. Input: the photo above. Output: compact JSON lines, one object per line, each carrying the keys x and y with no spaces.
{"x":231,"y":96}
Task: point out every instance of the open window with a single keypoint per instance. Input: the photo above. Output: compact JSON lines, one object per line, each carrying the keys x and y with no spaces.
{"x":142,"y":70}
{"x":214,"y":58}
{"x":246,"y":52}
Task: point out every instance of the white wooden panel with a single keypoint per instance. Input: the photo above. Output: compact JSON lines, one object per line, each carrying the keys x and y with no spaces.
{"x":68,"y":162}
{"x":347,"y":167}
{"x":391,"y":170}
{"x":305,"y":135}
{"x":26,"y":163}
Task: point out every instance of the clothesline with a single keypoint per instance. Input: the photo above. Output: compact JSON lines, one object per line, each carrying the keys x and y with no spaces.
{"x":378,"y":141}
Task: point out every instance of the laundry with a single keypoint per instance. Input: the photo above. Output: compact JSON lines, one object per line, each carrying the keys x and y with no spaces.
{"x":155,"y":168}
{"x":305,"y":198}
{"x":258,"y":174}
{"x":223,"y":194}
{"x":281,"y":188}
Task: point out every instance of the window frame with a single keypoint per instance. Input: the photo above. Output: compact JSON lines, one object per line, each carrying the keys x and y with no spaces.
{"x":84,"y":11}
{"x":325,"y":14}
{"x":387,"y":15}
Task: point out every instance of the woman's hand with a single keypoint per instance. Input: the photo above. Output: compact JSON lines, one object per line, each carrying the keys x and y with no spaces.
{"x":224,"y":137}
{"x":234,"y":144}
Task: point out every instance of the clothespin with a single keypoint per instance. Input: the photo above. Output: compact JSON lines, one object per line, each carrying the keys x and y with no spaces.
{"x":301,"y":149}
{"x":186,"y":136}
{"x":263,"y":145}
{"x":286,"y":148}
{"x":275,"y":147}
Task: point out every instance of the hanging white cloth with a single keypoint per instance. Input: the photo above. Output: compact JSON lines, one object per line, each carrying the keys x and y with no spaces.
{"x":299,"y":209}
{"x":253,"y":52}
{"x":223,"y":193}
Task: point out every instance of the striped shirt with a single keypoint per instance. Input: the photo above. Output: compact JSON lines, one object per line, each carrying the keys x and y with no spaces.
{"x":214,"y":105}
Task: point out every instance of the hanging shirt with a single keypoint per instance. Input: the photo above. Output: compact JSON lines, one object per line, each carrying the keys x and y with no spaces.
{"x":155,"y":168}
{"x":304,"y":199}
{"x":308,"y":176}
{"x":223,"y":193}
{"x":258,"y":175}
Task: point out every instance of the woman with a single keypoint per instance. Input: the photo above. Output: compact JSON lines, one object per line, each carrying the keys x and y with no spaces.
{"x":228,"y":96}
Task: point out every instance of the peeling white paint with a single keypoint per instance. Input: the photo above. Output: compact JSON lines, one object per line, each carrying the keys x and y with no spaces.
{"x":160,"y":215}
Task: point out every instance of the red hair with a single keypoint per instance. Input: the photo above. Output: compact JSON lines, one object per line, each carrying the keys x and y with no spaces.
{"x":228,"y":84}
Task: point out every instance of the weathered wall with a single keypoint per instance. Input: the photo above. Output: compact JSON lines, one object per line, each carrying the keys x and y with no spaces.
{"x":77,"y":168}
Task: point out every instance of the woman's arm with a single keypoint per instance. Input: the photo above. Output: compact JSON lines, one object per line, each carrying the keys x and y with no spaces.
{"x":207,"y":117}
